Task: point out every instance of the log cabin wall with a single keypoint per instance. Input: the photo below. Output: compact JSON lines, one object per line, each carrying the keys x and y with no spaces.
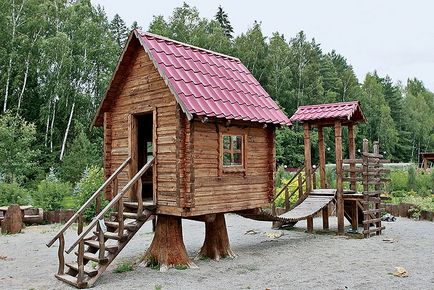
{"x":215,"y":190}
{"x":143,"y":90}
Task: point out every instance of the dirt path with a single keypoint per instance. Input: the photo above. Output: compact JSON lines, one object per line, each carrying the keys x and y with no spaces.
{"x":296,"y":260}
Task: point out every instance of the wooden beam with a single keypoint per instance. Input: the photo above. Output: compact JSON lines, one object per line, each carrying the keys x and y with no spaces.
{"x":339,"y":183}
{"x":307,"y":157}
{"x":321,"y":149}
{"x":309,"y":224}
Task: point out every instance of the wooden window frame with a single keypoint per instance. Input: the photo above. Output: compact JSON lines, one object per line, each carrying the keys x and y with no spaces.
{"x":233,"y":168}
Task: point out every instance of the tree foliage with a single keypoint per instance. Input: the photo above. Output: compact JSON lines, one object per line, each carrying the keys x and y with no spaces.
{"x":56,"y":58}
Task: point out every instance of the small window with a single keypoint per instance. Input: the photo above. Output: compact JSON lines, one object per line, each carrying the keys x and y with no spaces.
{"x":232,"y":150}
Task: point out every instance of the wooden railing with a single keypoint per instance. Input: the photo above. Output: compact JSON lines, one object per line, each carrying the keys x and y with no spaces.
{"x":78,"y":217}
{"x":117,"y":200}
{"x":285,"y":189}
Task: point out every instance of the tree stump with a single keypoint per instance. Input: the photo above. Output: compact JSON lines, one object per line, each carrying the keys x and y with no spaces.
{"x":13,"y":221}
{"x":216,"y":243}
{"x":167,"y":249}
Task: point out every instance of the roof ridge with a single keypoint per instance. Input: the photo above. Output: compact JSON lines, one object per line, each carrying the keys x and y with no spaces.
{"x":145,"y":33}
{"x":329,"y":104}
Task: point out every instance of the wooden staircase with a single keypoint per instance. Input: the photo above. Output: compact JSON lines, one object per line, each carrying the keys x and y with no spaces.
{"x":107,"y":234}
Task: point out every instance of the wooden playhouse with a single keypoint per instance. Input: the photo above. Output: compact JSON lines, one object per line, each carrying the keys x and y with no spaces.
{"x":188,"y":133}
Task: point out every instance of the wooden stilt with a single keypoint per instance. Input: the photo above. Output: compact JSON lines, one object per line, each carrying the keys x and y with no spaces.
{"x":309,"y":224}
{"x":307,"y":158}
{"x":325,"y":218}
{"x":354,"y":216}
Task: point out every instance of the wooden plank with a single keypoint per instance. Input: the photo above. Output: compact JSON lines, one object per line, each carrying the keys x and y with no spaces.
{"x":322,"y":158}
{"x":307,"y":157}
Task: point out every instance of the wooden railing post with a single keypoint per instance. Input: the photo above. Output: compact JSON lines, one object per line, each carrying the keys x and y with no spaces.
{"x":80,"y":262}
{"x":314,"y":178}
{"x":300,"y":186}
{"x":139,"y":198}
{"x":101,"y":242}
{"x":286,"y":199}
{"x":61,"y":255}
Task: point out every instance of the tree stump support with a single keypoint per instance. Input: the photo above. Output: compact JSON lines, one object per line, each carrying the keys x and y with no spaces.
{"x":167,"y":249}
{"x":13,"y":221}
{"x":216,"y":244}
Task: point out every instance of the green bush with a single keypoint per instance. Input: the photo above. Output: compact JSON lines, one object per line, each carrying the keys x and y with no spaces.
{"x":51,"y":192}
{"x":280,"y":201}
{"x":13,"y":193}
{"x":398,"y":181}
{"x":92,"y":179}
{"x":411,"y":181}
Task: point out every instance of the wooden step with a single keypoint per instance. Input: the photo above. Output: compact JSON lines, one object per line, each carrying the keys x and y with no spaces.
{"x":128,"y":215}
{"x":129,"y":226}
{"x":93,"y":257}
{"x":374,"y":230}
{"x":95,"y":244}
{"x":113,"y":236}
{"x":88,"y":270}
{"x":371,"y":221}
{"x":71,"y":280}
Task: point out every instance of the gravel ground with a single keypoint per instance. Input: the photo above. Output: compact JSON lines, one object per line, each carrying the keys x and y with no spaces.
{"x":296,"y":260}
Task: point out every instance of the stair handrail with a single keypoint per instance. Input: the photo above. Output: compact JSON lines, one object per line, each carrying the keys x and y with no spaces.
{"x":287,"y":184}
{"x":88,"y":202}
{"x":115,"y":200}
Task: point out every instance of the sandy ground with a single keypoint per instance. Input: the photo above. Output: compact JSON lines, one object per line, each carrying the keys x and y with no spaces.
{"x":296,"y":260}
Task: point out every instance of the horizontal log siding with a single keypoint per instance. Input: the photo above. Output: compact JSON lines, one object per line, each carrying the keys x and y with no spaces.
{"x":230,"y":191}
{"x":143,"y":89}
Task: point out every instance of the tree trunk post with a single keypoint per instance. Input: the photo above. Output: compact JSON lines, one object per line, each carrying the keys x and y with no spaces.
{"x":216,"y":243}
{"x":167,"y":249}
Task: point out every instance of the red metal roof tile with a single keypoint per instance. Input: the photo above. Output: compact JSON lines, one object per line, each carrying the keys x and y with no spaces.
{"x":348,"y":111}
{"x":211,"y":84}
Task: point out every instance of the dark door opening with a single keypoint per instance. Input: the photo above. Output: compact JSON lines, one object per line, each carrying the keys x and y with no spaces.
{"x":145,"y":152}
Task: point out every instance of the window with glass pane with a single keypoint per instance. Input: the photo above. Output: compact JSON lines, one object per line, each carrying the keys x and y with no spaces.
{"x":232,"y":150}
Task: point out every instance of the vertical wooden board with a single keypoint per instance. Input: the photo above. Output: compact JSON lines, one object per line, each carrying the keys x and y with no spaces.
{"x":352,"y":154}
{"x":133,"y":152}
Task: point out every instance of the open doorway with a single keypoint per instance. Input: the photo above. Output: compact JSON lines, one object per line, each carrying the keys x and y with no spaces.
{"x":145,"y":148}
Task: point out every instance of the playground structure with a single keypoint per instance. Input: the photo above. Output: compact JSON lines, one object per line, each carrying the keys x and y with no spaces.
{"x":426,"y":158}
{"x":189,"y":133}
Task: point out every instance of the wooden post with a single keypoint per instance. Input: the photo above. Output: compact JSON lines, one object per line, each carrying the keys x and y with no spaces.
{"x":307,"y":158}
{"x":352,"y":155}
{"x":339,"y":185}
{"x":60,"y":255}
{"x":133,"y":151}
{"x":313,"y":179}
{"x":321,"y":149}
{"x":139,"y":197}
{"x":300,"y":186}
{"x":325,"y":218}
{"x":354,"y":216}
{"x":80,"y":262}
{"x":365,"y":188}
{"x":377,"y":190}
{"x":286,"y":199}
{"x":309,"y":224}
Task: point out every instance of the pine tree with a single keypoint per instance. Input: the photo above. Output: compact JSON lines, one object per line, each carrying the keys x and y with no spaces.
{"x":119,"y":30}
{"x":223,"y":19}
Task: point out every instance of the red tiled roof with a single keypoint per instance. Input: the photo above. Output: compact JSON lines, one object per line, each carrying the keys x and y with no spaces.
{"x":347,"y":111}
{"x":210,"y":84}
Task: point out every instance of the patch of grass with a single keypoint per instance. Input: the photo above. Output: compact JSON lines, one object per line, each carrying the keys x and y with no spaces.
{"x":158,"y":287}
{"x":124,"y":267}
{"x":181,"y":267}
{"x":153,"y":263}
{"x":204,"y":258}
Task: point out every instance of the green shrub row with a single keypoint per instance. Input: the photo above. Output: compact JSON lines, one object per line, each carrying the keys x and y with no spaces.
{"x":52,"y":193}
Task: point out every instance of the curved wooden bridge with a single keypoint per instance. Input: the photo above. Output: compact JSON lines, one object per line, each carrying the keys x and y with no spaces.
{"x":314,"y":203}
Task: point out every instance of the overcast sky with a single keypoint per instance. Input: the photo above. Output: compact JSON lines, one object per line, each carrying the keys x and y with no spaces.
{"x":394,"y":37}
